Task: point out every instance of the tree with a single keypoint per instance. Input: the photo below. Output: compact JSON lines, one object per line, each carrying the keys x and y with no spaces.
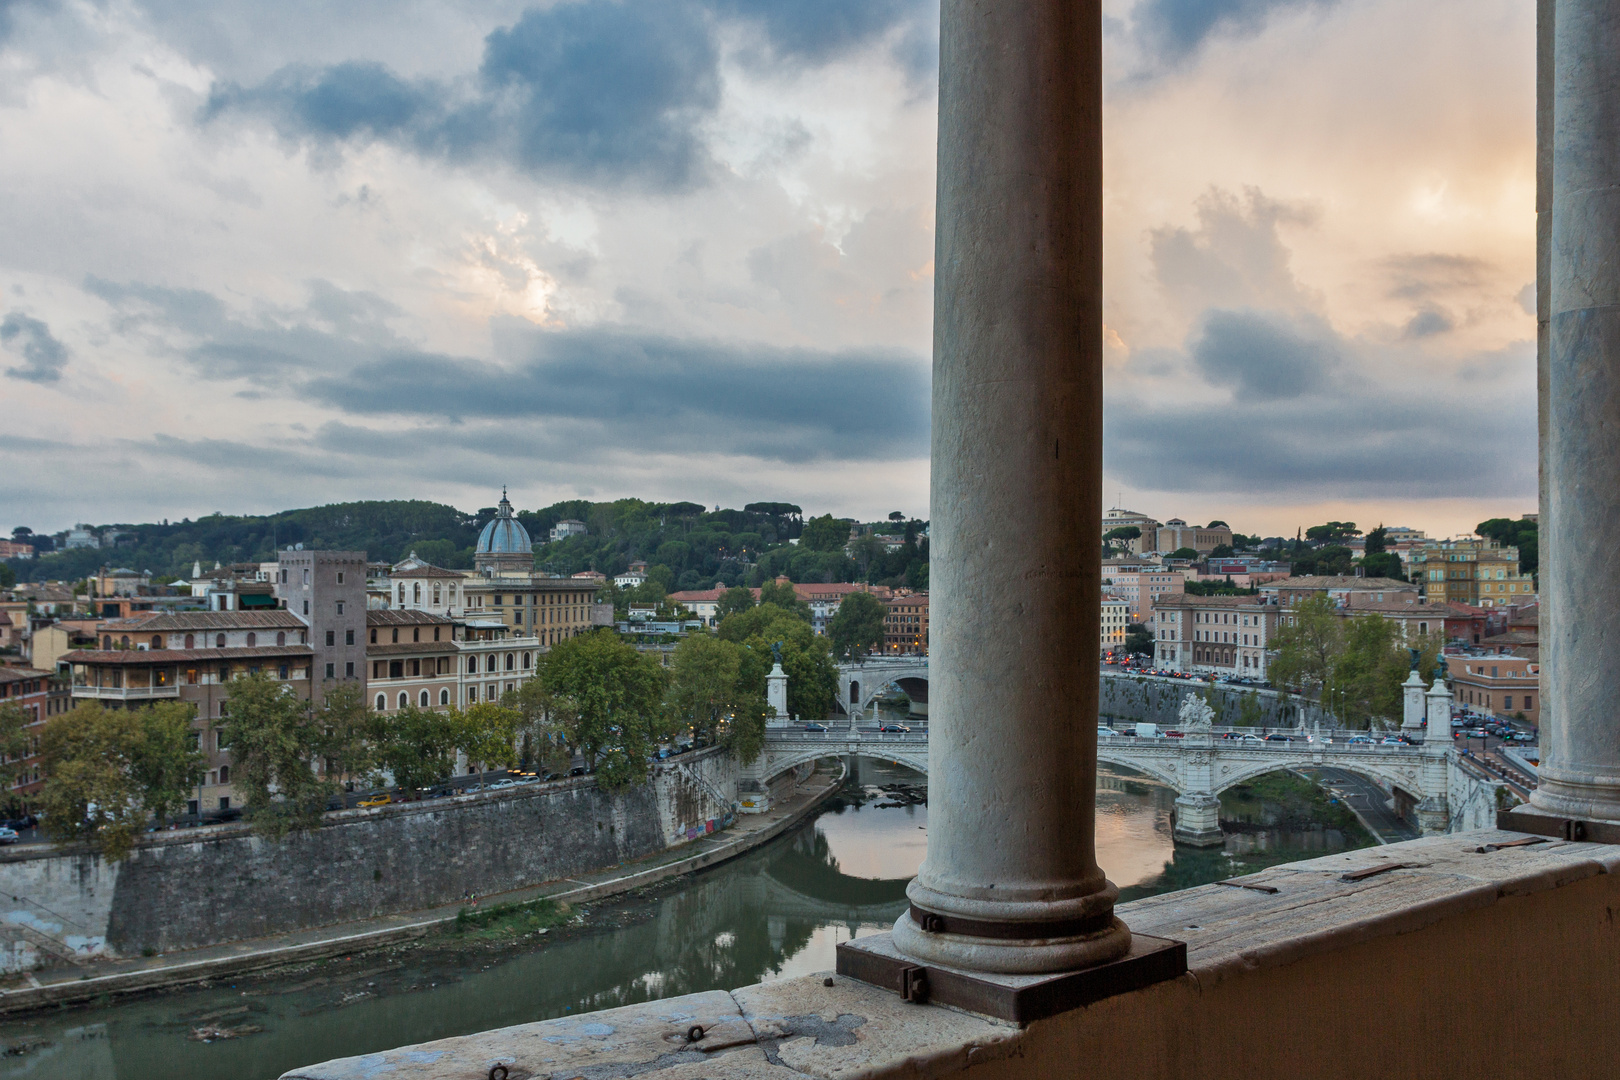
{"x":1308,"y":644}
{"x":857,"y":629}
{"x":1123,"y":532}
{"x":487,"y":733}
{"x":896,"y":516}
{"x":14,"y":721}
{"x":167,"y":765}
{"x":8,"y":576}
{"x":1332,"y":532}
{"x":736,"y":598}
{"x":613,"y":696}
{"x":1138,"y":639}
{"x":784,"y":596}
{"x":708,"y":696}
{"x":541,"y":726}
{"x":1384,"y":564}
{"x":1184,"y":553}
{"x":824,"y":533}
{"x":275,"y":741}
{"x":1216,"y":524}
{"x":1518,"y":533}
{"x":806,"y":658}
{"x":90,"y":795}
{"x":415,"y":747}
{"x":345,"y":726}
{"x":1221,"y":551}
{"x":1249,"y":711}
{"x":1375,"y":541}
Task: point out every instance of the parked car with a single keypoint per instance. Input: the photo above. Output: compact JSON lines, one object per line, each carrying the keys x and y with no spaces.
{"x":8,"y":835}
{"x":579,"y":770}
{"x":377,"y":800}
{"x":501,"y":785}
{"x":813,"y":726}
{"x":27,"y":821}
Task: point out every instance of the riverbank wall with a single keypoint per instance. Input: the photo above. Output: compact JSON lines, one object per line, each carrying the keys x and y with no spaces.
{"x":185,"y":890}
{"x":1158,"y":700}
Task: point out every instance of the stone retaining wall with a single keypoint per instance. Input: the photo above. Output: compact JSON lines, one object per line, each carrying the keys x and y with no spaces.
{"x":1158,"y":701}
{"x":204,"y":887}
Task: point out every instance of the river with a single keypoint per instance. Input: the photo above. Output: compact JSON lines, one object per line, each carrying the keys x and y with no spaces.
{"x":775,"y":913}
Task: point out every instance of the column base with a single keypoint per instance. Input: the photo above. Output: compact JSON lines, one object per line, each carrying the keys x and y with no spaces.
{"x":1575,"y":798}
{"x":1198,"y":821}
{"x":1020,"y":999}
{"x":1530,"y":819}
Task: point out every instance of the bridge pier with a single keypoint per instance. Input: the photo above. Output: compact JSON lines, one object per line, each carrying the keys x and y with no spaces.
{"x":1198,"y":820}
{"x":1434,"y":812}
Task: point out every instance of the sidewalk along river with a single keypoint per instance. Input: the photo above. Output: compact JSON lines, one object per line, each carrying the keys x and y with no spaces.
{"x":774,"y":913}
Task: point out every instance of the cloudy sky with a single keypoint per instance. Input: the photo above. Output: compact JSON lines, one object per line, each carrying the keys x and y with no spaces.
{"x":257,"y":256}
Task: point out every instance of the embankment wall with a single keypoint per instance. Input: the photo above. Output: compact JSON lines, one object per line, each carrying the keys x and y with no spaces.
{"x":205,"y":887}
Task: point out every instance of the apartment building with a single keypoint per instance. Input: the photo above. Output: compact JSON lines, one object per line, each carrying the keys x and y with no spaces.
{"x":1176,"y":534}
{"x":1502,"y":685}
{"x":1221,"y":635}
{"x":1116,"y":615}
{"x":414,"y":659}
{"x":905,"y":625}
{"x":1342,"y":590}
{"x":1141,"y":583}
{"x":550,"y":609}
{"x":192,"y":657}
{"x":40,"y":695}
{"x":1472,"y":571}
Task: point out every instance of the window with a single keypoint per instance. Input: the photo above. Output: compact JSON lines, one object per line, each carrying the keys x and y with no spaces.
{"x":511,"y":662}
{"x":374,"y":635}
{"x":340,"y":607}
{"x":423,"y":699}
{"x":306,"y":607}
{"x":348,"y":637}
{"x":281,"y":637}
{"x":517,"y":618}
{"x":252,"y":639}
{"x":224,"y":775}
{"x":435,"y":596}
{"x":306,"y":575}
{"x":331,"y":637}
{"x":331,"y":670}
{"x":402,"y":594}
{"x":219,"y":737}
{"x":283,"y":672}
{"x":416,"y":593}
{"x":489,"y":662}
{"x":340,"y":577}
{"x":416,"y":633}
{"x":527,"y":661}
{"x":284,"y":577}
{"x":191,"y":641}
{"x":497,"y":599}
{"x":404,"y":699}
{"x":348,"y":670}
{"x":382,"y":702}
{"x":435,"y":633}
{"x":472,"y":693}
{"x":444,"y":697}
{"x":396,"y":635}
{"x":1507,"y":701}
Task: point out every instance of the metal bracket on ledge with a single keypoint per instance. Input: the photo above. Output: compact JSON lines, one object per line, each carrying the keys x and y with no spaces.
{"x":1523,"y":819}
{"x":1019,"y":999}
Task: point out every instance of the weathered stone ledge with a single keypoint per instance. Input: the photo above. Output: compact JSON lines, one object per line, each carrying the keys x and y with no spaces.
{"x":1418,"y":970}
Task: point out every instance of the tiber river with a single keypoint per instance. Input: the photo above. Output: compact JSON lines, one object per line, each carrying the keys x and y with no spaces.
{"x":775,"y":913}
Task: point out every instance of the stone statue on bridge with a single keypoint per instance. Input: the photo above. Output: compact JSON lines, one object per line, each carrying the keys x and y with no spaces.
{"x":776,"y":653}
{"x":1196,"y":715}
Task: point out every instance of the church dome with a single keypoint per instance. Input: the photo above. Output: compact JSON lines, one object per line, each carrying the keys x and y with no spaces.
{"x":505,"y":535}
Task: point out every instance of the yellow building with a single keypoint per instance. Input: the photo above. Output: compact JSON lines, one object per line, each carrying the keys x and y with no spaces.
{"x":1478,"y":572}
{"x":1116,"y":614}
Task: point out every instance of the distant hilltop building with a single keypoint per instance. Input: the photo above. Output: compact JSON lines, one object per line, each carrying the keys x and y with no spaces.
{"x":504,"y":547}
{"x":566,"y":528}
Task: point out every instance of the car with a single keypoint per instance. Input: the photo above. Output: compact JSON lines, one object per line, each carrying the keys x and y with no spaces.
{"x":377,"y":800}
{"x":502,"y":785}
{"x":1390,"y":741}
{"x":579,"y":770}
{"x":1249,"y":738}
{"x":1105,"y":732}
{"x":1175,"y":734}
{"x":8,"y":835}
{"x":897,"y":729}
{"x":1278,"y":738}
{"x":27,"y":821}
{"x":1361,"y":740}
{"x":813,"y":726}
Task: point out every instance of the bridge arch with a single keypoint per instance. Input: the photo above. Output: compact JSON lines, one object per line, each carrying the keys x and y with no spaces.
{"x":1395,"y":777}
{"x":1148,"y":768}
{"x":774,"y":763}
{"x":860,"y":684}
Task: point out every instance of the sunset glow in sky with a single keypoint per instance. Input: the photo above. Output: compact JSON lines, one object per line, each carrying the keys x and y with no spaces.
{"x":257,"y":257}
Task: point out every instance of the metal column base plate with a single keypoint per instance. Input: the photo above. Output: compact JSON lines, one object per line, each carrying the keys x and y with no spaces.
{"x":1016,"y":998}
{"x":1525,"y":820}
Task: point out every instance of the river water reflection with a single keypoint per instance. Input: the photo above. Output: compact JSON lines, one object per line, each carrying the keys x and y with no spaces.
{"x":776,"y":913}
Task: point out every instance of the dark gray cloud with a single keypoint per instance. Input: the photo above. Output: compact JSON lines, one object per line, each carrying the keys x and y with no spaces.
{"x":1427,"y":323}
{"x":44,"y":357}
{"x":601,"y":91}
{"x":665,"y":393}
{"x":1262,"y":355}
{"x":1172,"y":30}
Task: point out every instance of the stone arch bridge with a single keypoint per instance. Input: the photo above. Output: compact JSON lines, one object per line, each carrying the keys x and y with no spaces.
{"x":1198,"y":767}
{"x":860,"y":684}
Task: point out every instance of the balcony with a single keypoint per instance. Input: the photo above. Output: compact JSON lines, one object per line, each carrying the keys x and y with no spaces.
{"x":126,"y":693}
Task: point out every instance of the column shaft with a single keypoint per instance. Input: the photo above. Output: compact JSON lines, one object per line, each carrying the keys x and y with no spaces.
{"x":1011,"y":881}
{"x":1580,"y":732}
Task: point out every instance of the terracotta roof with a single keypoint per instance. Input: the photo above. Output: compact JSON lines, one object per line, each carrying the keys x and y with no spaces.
{"x":272,"y":619}
{"x":408,"y":617}
{"x":1376,"y":584}
{"x":697,"y":596}
{"x":424,"y":570}
{"x":1181,"y":599}
{"x":18,"y":674}
{"x":172,"y":656}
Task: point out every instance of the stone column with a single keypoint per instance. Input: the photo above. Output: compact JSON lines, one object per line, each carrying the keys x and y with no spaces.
{"x":776,"y":696}
{"x":1580,"y":731}
{"x":1412,"y":713}
{"x":1011,"y":882}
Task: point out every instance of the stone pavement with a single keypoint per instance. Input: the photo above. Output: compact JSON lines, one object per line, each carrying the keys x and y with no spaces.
{"x":125,"y":976}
